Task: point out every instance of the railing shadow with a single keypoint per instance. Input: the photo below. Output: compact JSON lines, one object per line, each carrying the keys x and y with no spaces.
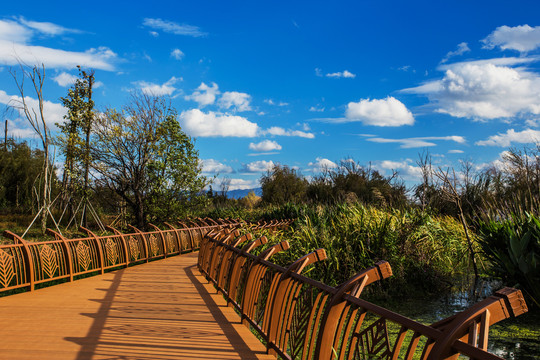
{"x":162,"y":310}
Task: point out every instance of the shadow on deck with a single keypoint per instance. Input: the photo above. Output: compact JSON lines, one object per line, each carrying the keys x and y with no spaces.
{"x":159,"y":310}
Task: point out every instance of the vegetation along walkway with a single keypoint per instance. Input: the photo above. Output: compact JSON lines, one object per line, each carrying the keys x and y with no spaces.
{"x":160,"y":310}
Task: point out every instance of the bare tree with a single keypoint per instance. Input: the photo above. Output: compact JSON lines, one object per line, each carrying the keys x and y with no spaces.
{"x":36,"y":119}
{"x":450,"y":190}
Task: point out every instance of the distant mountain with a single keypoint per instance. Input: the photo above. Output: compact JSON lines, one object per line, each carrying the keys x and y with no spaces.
{"x":238,"y":194}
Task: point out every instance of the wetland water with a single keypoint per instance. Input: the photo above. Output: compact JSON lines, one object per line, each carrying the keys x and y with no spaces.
{"x":514,"y":339}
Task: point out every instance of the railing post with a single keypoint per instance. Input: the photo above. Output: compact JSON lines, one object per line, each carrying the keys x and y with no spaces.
{"x":332,"y":315}
{"x":277,"y":320}
{"x":59,"y":236}
{"x":28,"y":258}
{"x":98,"y":244}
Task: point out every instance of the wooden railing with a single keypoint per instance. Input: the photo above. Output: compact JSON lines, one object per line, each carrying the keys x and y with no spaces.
{"x":300,"y":318}
{"x":24,"y":264}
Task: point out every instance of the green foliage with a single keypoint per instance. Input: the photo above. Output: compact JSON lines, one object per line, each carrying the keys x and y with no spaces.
{"x":425,"y":252}
{"x":174,"y":181}
{"x":513,"y":248}
{"x":348,"y":182}
{"x":20,"y":168}
{"x":143,"y":156}
{"x":283,"y":184}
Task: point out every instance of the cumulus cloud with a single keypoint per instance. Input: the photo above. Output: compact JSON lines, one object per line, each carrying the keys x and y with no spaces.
{"x":258,"y":166}
{"x":462,"y":48}
{"x":416,"y":142}
{"x":521,"y":38}
{"x":213,"y":124}
{"x":166,"y":88}
{"x":64,"y":79}
{"x":265,"y":145}
{"x":404,"y":168}
{"x":526,"y":136}
{"x":483,"y":91}
{"x":242,"y":184}
{"x":236,"y":100}
{"x":15,"y":37}
{"x":204,"y":94}
{"x":177,"y":54}
{"x":342,"y":74}
{"x":279,"y":131}
{"x":53,"y":112}
{"x":321,"y":164}
{"x":173,"y":28}
{"x":379,"y":112}
{"x":211,"y":166}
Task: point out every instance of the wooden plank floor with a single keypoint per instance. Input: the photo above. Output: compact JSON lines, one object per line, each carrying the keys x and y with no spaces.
{"x":160,"y":310}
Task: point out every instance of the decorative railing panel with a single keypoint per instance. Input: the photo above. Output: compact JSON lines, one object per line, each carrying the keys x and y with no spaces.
{"x":299,"y":318}
{"x":26,"y":263}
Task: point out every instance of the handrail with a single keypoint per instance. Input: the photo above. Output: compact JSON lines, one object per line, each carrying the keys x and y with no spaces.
{"x":300,"y":318}
{"x":25,"y":264}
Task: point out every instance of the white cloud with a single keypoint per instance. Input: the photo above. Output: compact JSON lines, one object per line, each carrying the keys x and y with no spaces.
{"x":278,"y":131}
{"x":404,"y":168}
{"x":14,"y":32}
{"x":14,"y":47}
{"x":316,"y":109}
{"x":318,"y":72}
{"x":521,"y":38}
{"x":342,"y":74}
{"x":240,"y":101}
{"x":462,"y":48}
{"x":212,"y":124}
{"x":47,"y":28}
{"x":173,"y":28}
{"x":53,"y":112}
{"x":455,"y":151}
{"x":166,"y":88}
{"x":204,"y":94}
{"x":211,"y":166}
{"x":272,"y":102}
{"x":383,"y":112}
{"x":416,"y":142}
{"x":101,"y":58}
{"x":64,"y":79}
{"x":265,"y":145}
{"x":242,"y":184}
{"x":511,"y":136}
{"x":258,"y":166}
{"x":483,"y":91}
{"x":321,"y":164}
{"x":177,"y":54}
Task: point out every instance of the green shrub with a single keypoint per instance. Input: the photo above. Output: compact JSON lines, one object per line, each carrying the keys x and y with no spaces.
{"x":513,"y":248}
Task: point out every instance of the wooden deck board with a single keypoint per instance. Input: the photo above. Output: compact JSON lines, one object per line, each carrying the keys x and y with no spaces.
{"x":160,"y":310}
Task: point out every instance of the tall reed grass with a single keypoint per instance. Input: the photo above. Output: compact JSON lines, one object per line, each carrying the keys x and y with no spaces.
{"x":426,"y":252}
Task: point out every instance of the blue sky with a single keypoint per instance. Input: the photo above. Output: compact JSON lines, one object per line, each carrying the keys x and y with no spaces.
{"x":303,"y":83}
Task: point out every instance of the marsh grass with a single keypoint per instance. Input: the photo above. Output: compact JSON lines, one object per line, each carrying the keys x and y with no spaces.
{"x":426,"y":252}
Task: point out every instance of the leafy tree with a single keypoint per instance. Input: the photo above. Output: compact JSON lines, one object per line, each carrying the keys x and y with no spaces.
{"x":75,"y":139}
{"x":143,"y":156}
{"x":283,"y":184}
{"x":20,"y":166}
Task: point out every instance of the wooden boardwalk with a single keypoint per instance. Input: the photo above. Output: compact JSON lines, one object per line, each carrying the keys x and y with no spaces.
{"x":160,"y":310}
